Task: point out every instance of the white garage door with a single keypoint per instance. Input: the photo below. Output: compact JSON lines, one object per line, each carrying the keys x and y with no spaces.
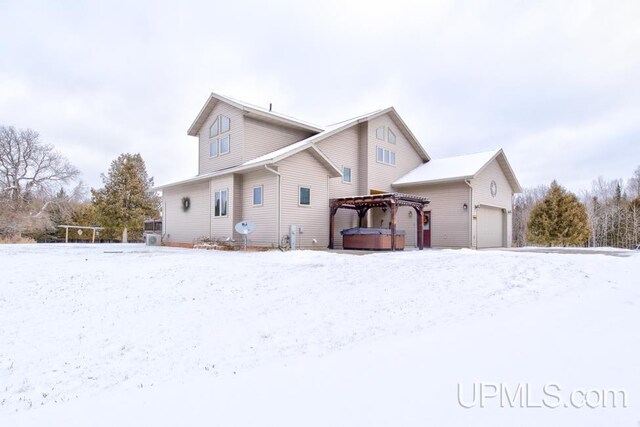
{"x":490,"y":227}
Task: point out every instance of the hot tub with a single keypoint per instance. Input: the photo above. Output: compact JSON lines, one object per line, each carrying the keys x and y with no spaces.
{"x":373,"y":239}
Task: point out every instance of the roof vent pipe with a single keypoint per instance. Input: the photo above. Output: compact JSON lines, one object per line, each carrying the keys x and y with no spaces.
{"x":270,"y":105}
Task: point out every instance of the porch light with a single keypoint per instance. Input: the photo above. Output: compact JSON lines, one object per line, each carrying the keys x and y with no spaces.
{"x":465,"y":207}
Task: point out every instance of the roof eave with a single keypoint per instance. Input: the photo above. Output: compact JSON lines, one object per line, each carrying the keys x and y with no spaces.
{"x":431,"y":181}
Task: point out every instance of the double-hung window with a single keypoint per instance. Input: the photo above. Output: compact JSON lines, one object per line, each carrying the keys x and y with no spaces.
{"x":219,"y":138}
{"x":221,"y":203}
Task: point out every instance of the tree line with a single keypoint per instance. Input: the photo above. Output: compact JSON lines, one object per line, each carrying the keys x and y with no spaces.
{"x":40,"y":190}
{"x":608,"y":214}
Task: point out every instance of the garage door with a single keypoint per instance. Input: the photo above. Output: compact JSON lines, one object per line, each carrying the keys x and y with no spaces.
{"x":490,"y":227}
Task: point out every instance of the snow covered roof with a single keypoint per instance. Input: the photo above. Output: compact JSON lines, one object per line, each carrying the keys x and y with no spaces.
{"x":457,"y":168}
{"x":214,"y":98}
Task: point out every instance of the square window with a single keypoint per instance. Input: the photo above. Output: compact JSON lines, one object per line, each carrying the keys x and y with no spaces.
{"x":386,"y":156}
{"x":346,"y":174}
{"x":391,"y":137}
{"x":213,"y":148}
{"x":305,"y":196}
{"x":224,"y":145}
{"x":257,"y":196}
{"x":392,"y":158}
{"x":380,"y":154}
{"x":380,"y":133}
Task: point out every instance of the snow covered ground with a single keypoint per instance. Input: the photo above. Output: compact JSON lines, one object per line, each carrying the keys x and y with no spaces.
{"x":132,"y":335}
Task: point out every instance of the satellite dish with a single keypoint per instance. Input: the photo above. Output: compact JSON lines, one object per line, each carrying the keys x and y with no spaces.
{"x":245,"y":227}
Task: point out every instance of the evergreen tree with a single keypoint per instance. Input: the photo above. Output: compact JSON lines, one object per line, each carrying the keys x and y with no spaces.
{"x":558,"y":220}
{"x":126,"y":199}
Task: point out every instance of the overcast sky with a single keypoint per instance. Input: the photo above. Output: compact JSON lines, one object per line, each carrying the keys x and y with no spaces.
{"x":556,"y":84}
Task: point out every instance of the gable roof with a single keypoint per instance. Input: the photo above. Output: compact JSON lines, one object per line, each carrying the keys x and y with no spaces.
{"x":339,"y":127}
{"x":260,"y":162}
{"x":247,"y":108}
{"x":458,"y":168}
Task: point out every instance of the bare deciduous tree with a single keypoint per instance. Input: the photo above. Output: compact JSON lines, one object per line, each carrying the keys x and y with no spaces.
{"x":31,"y":172}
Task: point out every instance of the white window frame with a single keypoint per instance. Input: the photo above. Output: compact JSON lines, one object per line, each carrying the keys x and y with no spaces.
{"x":300,"y":196}
{"x":386,"y":154}
{"x":253,"y":195}
{"x":350,"y":175}
{"x":211,"y":143}
{"x":389,"y":133}
{"x":218,"y":194}
{"x":218,"y":136}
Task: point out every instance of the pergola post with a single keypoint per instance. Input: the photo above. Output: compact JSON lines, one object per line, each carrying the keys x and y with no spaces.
{"x":361,"y":214}
{"x":420,"y":228}
{"x":332,"y":221}
{"x":66,"y":235}
{"x":93,"y":238}
{"x":394,"y":211}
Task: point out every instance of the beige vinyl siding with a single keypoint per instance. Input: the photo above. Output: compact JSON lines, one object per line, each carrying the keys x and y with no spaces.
{"x":380,"y":175}
{"x":503,"y":199}
{"x":266,"y":216}
{"x":222,"y":227}
{"x":342,"y":149}
{"x":363,"y":158}
{"x":238,"y":194}
{"x":234,"y":157}
{"x":380,"y":219}
{"x":181,"y":226}
{"x":303,"y":169}
{"x":449,"y":220}
{"x":261,"y":137}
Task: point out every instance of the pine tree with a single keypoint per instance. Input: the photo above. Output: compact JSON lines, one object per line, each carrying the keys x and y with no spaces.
{"x":126,"y":199}
{"x":558,"y":220}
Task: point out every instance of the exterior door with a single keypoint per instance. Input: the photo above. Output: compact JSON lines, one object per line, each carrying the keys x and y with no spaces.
{"x":427,"y":229}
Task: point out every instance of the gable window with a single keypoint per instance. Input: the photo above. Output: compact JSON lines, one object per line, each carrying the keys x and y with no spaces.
{"x":380,"y":133}
{"x":221,"y":202}
{"x":224,"y":145}
{"x":346,"y":174}
{"x":391,"y":137}
{"x":304,"y":196}
{"x":257,"y":196}
{"x":385,"y":156}
{"x":219,"y":143}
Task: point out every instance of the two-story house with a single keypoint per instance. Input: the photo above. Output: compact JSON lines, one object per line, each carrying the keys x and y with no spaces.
{"x":276,"y":171}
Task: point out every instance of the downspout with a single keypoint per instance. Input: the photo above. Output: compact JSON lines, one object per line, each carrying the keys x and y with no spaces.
{"x":279,"y":202}
{"x":471,"y":245}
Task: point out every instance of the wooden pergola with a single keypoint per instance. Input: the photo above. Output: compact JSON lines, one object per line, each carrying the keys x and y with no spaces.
{"x":392,"y":201}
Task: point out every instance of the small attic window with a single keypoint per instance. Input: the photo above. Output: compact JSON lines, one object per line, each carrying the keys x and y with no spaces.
{"x":391,"y":137}
{"x":380,"y":133}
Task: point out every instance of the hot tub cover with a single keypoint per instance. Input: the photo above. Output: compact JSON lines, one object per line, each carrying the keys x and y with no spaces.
{"x":361,"y":231}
